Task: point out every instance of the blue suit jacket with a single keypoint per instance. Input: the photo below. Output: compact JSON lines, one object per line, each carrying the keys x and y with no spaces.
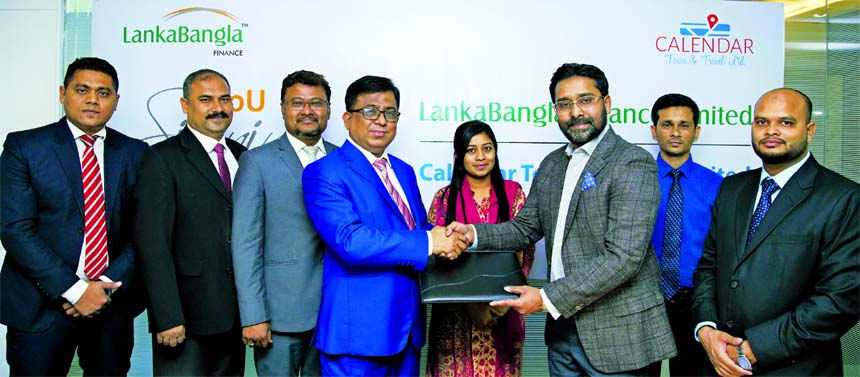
{"x":277,"y":254}
{"x":43,"y":221}
{"x":371,"y":301}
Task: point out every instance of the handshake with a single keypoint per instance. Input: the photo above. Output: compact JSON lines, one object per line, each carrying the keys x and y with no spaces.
{"x":449,"y":242}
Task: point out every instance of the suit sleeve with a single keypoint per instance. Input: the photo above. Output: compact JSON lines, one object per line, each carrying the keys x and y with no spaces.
{"x":634,"y":196}
{"x":249,"y":203}
{"x":153,"y":235}
{"x":332,"y":208}
{"x":833,"y":307}
{"x":20,"y":221}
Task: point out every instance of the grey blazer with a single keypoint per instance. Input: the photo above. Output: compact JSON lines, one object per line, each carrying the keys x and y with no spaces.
{"x":277,"y":254}
{"x":612,"y":281}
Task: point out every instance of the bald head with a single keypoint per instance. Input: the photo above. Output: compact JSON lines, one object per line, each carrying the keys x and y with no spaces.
{"x":793,"y":96}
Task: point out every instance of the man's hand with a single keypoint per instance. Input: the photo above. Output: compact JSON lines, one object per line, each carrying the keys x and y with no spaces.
{"x":462,"y":229}
{"x":70,"y":310}
{"x":259,"y":335}
{"x":447,"y":246}
{"x":171,"y":337}
{"x":93,"y":300}
{"x":718,"y":346}
{"x":529,"y":301}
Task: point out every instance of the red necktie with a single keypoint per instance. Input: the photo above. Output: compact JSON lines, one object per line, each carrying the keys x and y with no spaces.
{"x":95,"y":224}
{"x":381,"y":165}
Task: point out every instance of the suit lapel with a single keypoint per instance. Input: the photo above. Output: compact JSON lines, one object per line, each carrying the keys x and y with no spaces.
{"x":796,"y":190}
{"x":594,"y":165}
{"x":200,"y":160}
{"x":412,"y":196}
{"x":743,"y":211}
{"x":359,"y":164}
{"x":113,"y":163}
{"x":70,"y":161}
{"x":289,"y":158}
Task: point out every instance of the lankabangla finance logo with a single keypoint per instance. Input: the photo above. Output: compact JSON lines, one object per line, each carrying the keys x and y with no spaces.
{"x":705,"y":43}
{"x":184,"y":27}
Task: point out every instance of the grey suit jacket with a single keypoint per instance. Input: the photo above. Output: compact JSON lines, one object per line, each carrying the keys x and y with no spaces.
{"x":612,"y":281}
{"x":277,"y":254}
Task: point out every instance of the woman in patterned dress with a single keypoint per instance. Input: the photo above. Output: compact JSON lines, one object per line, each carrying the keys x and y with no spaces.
{"x":476,"y":339}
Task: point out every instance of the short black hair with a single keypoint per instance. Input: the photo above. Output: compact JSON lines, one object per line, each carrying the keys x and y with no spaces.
{"x":91,"y":64}
{"x":370,"y":84}
{"x":672,"y":100}
{"x":306,"y":78}
{"x":199,"y":75}
{"x":568,"y":70}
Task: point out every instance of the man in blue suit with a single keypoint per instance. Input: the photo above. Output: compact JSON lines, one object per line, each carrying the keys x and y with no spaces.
{"x":277,"y":254}
{"x":366,"y":206}
{"x":66,"y":230}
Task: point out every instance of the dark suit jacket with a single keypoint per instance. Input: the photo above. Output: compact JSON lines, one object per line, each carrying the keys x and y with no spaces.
{"x":43,"y":221}
{"x":611,"y":286}
{"x":277,"y":254}
{"x":182,"y":233}
{"x":371,"y":303}
{"x":794,"y":291}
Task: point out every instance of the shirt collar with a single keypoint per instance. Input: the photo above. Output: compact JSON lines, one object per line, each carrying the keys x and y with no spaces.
{"x":663,"y":167}
{"x":369,"y":156}
{"x":298,"y":144}
{"x":77,"y":132}
{"x":207,"y":142}
{"x":590,"y":146}
{"x":782,"y":178}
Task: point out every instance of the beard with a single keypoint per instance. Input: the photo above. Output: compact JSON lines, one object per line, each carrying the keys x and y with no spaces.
{"x":580,"y":137}
{"x":791,"y":153}
{"x":309,"y":134}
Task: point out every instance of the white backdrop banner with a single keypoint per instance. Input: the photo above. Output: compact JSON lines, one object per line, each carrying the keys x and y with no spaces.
{"x":453,"y":61}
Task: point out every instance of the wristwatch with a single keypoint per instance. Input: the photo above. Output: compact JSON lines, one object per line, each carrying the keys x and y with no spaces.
{"x":743,"y":361}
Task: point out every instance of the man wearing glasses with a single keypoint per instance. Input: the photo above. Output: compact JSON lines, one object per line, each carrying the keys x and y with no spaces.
{"x":594,"y":202}
{"x":366,"y":206}
{"x":277,"y":254}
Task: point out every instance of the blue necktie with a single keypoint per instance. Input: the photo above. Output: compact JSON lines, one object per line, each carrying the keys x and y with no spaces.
{"x":768,"y":187}
{"x":670,"y":262}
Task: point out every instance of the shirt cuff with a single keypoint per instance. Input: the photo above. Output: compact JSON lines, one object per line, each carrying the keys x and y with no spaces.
{"x":474,"y":245}
{"x":429,"y":244}
{"x":700,"y":325}
{"x":74,"y":293}
{"x":548,"y":306}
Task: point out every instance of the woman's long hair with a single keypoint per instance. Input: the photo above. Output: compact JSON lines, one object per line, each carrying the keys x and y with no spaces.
{"x":462,"y":137}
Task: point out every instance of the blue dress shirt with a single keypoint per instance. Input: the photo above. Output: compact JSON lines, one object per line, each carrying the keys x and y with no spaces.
{"x":700,"y":186}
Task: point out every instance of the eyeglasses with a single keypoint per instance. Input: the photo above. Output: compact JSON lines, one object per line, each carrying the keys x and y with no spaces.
{"x":316,"y":104}
{"x":372,"y":113}
{"x":584,"y":102}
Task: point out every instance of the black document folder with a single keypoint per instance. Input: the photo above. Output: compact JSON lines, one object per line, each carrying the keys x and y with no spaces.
{"x":473,"y":277}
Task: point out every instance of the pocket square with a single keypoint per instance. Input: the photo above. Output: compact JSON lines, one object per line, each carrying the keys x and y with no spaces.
{"x":588,"y":181}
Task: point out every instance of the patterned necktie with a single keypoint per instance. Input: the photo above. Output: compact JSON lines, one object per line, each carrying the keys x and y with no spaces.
{"x":768,"y":187}
{"x":310,"y":153}
{"x":95,"y":223}
{"x":223,"y":170}
{"x":381,"y":165}
{"x":670,"y":262}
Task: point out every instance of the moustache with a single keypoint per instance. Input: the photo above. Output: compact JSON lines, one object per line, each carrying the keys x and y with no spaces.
{"x":580,"y":120}
{"x":219,"y":114}
{"x":310,"y":117}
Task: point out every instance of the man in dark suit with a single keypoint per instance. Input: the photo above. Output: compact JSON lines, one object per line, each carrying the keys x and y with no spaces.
{"x":66,"y":282}
{"x":778,"y":283}
{"x":182,"y":233}
{"x":594,"y":202}
{"x":277,"y":254}
{"x":366,"y":206}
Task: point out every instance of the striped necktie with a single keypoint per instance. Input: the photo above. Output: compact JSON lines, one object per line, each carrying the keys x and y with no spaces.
{"x":95,"y":222}
{"x":381,"y":165}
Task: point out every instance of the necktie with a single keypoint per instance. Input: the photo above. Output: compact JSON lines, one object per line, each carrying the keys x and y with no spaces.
{"x":381,"y":165}
{"x":768,"y":187}
{"x":670,"y":261}
{"x":95,"y":223}
{"x":223,"y":170}
{"x":310,"y":153}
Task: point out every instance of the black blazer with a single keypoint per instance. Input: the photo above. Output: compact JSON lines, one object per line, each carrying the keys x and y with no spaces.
{"x":794,"y":291}
{"x":182,"y":234}
{"x":43,"y":221}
